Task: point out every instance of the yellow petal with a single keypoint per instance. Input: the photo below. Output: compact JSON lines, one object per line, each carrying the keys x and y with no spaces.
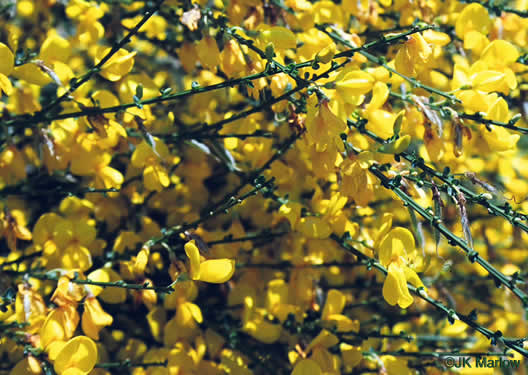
{"x":108,"y":295}
{"x":395,"y":290}
{"x":7,"y":60}
{"x":380,"y":93}
{"x":194,"y":256}
{"x":475,"y":41}
{"x":351,"y":355}
{"x":73,"y":371}
{"x":500,"y":139}
{"x":142,"y":260}
{"x":498,"y":111}
{"x":119,"y":65}
{"x":52,"y":329}
{"x":381,"y":122}
{"x":141,"y":155}
{"x":217,"y":271}
{"x":280,"y":37}
{"x":195,"y":311}
{"x":155,"y":177}
{"x":94,"y":318}
{"x":398,"y":242}
{"x":5,"y":85}
{"x":76,"y":257}
{"x":262,"y":330}
{"x":355,"y":83}
{"x":412,"y":277}
{"x":436,"y":37}
{"x":31,"y":73}
{"x":335,"y":303}
{"x":208,"y":53}
{"x":291,"y":211}
{"x":314,"y":227}
{"x":55,"y":48}
{"x":27,"y":366}
{"x":489,"y":80}
{"x":307,"y":367}
{"x":473,"y":17}
{"x":324,"y":339}
{"x":500,"y":52}
{"x":100,"y":275}
{"x":344,"y":323}
{"x":110,"y":177}
{"x":80,"y":352}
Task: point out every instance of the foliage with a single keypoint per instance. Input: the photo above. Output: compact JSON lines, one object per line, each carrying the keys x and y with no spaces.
{"x":257,"y":187}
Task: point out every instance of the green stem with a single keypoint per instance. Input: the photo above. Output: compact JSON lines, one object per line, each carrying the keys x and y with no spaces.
{"x":78,"y":82}
{"x":453,"y":240}
{"x":382,"y":62}
{"x":496,"y":337}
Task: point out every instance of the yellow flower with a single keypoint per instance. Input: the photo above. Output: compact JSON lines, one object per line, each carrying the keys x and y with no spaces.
{"x":30,"y":307}
{"x":395,"y":290}
{"x":60,"y":325}
{"x":151,"y":158}
{"x":96,"y":163}
{"x":64,"y":242}
{"x":328,"y":12}
{"x":475,"y":41}
{"x":326,"y":54}
{"x":94,"y":318}
{"x":500,"y":139}
{"x":183,"y":324}
{"x":292,"y":212}
{"x":491,"y":80}
{"x":78,"y":356}
{"x":7,"y":63}
{"x":55,"y":48}
{"x":396,"y":252}
{"x":216,"y":271}
{"x":255,"y":322}
{"x":108,"y":295}
{"x":28,"y":366}
{"x":307,"y":367}
{"x":357,"y":182}
{"x":323,"y":126}
{"x":354,"y":83}
{"x":154,"y":28}
{"x":473,"y":17}
{"x":279,"y":37}
{"x":188,"y":56}
{"x":334,"y":305}
{"x":500,"y":53}
{"x":118,"y":66}
{"x":13,"y":230}
{"x":67,"y":293}
{"x":414,"y":56}
{"x":232,"y":59}
{"x":208,"y":53}
{"x":12,"y":166}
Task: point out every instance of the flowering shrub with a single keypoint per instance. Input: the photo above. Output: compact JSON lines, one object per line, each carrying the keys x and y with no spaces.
{"x":262,"y":187}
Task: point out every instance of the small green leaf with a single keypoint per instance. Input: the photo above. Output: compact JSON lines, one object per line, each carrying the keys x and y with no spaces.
{"x":139,"y":91}
{"x":270,"y":52}
{"x":397,"y":124}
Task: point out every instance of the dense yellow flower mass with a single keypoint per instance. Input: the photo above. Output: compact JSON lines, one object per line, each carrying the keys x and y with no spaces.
{"x":263,"y":187}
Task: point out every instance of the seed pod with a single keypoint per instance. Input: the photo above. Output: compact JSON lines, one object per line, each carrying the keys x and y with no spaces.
{"x":437,"y":206}
{"x":460,"y":200}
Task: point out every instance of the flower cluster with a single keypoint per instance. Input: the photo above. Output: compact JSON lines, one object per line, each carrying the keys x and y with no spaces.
{"x":245,"y":187}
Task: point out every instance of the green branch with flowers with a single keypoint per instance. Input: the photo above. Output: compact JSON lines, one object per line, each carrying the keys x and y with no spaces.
{"x":288,"y":186}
